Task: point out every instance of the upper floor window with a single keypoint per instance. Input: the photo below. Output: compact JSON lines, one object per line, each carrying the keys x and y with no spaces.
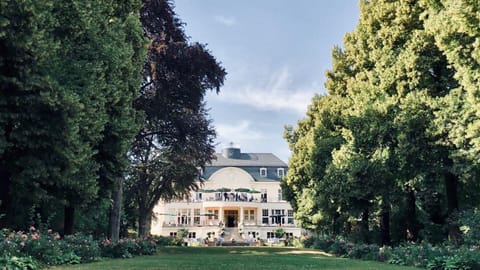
{"x":280,"y":172}
{"x":263,"y":172}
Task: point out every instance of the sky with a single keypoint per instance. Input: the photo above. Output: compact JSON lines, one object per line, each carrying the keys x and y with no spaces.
{"x":276,"y":53}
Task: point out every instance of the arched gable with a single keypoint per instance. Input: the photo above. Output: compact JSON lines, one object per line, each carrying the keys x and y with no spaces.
{"x":231,"y":177}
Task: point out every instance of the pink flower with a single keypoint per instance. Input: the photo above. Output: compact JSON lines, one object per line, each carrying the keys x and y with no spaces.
{"x":32,"y":228}
{"x":22,"y":244}
{"x":106,"y":243}
{"x":49,"y":230}
{"x":35,"y":236}
{"x":57,"y":236}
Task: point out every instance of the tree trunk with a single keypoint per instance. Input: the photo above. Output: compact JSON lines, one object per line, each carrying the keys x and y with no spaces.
{"x":144,"y":219}
{"x":411,"y":213}
{"x":69,"y":213}
{"x":115,"y":211}
{"x":451,"y":185}
{"x":385,"y":224}
{"x":364,"y":228}
{"x":5,"y":183}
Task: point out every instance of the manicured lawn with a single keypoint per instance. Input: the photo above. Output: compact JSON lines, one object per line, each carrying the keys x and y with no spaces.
{"x":233,"y":258}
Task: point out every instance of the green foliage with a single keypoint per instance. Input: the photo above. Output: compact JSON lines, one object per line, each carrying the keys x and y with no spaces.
{"x":182,"y":233}
{"x":18,"y":263}
{"x":45,"y":248}
{"x":421,"y":255}
{"x":70,"y":71}
{"x":82,"y":245}
{"x":127,"y":248}
{"x":279,"y":233}
{"x":176,"y":136}
{"x":469,"y":221}
{"x":395,"y":139}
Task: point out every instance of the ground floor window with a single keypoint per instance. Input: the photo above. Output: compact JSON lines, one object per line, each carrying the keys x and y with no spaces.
{"x":192,"y":235}
{"x":270,"y":235}
{"x":289,"y":235}
{"x":173,"y":234}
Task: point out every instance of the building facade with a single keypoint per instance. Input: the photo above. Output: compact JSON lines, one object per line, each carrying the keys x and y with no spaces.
{"x":239,"y":199}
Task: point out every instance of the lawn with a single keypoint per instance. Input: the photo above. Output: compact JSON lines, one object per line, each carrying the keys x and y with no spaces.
{"x":233,"y":258}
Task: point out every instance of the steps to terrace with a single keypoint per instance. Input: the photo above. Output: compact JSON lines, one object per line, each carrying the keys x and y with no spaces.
{"x":232,"y":234}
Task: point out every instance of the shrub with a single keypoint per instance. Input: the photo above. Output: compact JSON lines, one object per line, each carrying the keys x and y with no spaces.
{"x":84,"y":246}
{"x":18,"y":263}
{"x":470,"y":226}
{"x":338,"y":248}
{"x":117,"y":250}
{"x":279,"y":233}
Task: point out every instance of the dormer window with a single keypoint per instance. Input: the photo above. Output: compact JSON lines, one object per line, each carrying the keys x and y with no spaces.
{"x":263,"y":172}
{"x":280,"y":172}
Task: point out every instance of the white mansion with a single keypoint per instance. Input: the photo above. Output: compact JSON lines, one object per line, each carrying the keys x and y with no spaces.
{"x":239,"y":199}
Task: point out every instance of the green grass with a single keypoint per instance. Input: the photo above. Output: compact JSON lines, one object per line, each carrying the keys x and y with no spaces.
{"x":234,"y":258}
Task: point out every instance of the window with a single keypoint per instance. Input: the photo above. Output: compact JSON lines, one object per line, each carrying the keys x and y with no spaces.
{"x":265,"y":216}
{"x":183,"y":217}
{"x":263,"y":196}
{"x":263,"y":172}
{"x":290,"y":217}
{"x":270,"y":234}
{"x":173,"y":234}
{"x":196,"y":216}
{"x":192,"y":235}
{"x":278,"y":216}
{"x":249,"y":215}
{"x":280,"y":196}
{"x":280,"y":172}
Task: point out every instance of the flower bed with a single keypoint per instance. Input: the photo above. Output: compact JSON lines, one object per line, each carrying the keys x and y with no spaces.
{"x":36,"y":249}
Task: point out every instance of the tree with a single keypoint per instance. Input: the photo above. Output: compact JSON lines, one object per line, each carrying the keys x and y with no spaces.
{"x":177,"y":137}
{"x":395,"y":79}
{"x":68,"y":71}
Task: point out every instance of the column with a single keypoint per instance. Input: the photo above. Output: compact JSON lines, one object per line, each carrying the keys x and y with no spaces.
{"x":220,"y":215}
{"x":259,"y":216}
{"x":192,"y":216}
{"x":242,"y":218}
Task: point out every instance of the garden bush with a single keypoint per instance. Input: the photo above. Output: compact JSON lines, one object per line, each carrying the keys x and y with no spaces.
{"x":84,"y":246}
{"x":18,"y":263}
{"x":34,"y":249}
{"x":423,"y":255}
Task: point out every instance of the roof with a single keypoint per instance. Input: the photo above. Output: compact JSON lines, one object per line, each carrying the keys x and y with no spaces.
{"x":248,"y":159}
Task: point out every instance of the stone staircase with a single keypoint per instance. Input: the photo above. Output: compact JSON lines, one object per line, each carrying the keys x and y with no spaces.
{"x":232,"y":233}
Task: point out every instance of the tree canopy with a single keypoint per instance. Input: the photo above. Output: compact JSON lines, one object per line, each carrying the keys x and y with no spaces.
{"x":176,"y":138}
{"x":394,"y":139}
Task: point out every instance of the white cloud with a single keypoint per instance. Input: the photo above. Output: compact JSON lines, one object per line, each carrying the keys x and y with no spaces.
{"x":227,"y":21}
{"x":240,"y":133}
{"x":278,"y":92}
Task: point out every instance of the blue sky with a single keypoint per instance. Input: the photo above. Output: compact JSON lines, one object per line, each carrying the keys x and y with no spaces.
{"x":276,"y":53}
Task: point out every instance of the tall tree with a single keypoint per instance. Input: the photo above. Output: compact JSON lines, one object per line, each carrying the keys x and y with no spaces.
{"x":177,"y":137}
{"x":393,"y":76}
{"x":60,"y":97}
